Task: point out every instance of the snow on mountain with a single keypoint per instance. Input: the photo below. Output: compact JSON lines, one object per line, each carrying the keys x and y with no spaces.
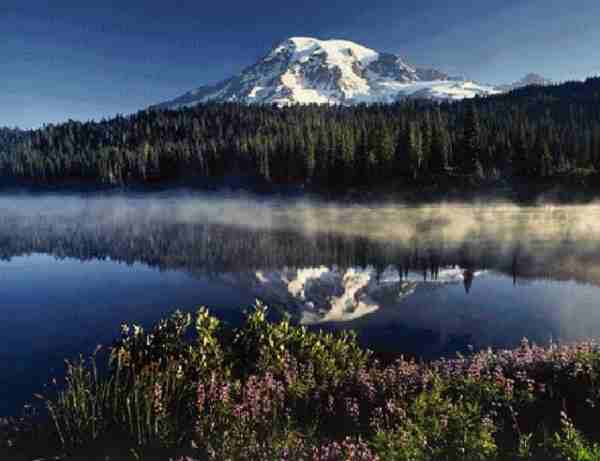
{"x":307,"y":70}
{"x":528,"y":80}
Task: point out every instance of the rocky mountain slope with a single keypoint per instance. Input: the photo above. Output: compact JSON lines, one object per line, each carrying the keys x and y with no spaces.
{"x":307,"y":70}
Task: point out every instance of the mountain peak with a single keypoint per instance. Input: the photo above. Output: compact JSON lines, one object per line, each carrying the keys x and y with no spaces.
{"x":528,"y":80}
{"x":535,"y":79}
{"x":338,"y":51}
{"x":310,"y":70}
{"x":311,"y":43}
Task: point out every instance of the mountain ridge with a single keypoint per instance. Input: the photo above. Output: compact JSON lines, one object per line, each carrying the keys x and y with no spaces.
{"x":529,"y":79}
{"x":304,"y":70}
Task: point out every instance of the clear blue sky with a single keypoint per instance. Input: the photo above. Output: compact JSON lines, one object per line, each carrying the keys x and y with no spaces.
{"x":86,"y":59}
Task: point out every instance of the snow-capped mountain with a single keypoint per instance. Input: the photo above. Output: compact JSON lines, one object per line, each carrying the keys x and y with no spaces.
{"x":307,"y":70}
{"x":528,"y":80}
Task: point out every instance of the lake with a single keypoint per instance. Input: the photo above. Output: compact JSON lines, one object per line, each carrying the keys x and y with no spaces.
{"x":427,"y":281}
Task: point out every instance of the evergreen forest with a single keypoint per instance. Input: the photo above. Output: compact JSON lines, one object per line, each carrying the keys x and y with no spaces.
{"x":531,"y":134}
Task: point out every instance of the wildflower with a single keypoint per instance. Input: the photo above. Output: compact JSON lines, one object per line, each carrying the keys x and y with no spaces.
{"x":159,"y":408}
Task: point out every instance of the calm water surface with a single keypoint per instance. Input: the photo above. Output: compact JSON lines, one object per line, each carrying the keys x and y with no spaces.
{"x":428,"y":280}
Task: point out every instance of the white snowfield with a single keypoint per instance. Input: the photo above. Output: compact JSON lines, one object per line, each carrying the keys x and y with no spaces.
{"x":305,"y":70}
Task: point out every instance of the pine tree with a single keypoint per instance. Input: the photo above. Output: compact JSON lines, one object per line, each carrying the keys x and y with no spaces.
{"x":414,"y":149}
{"x":426,"y":140}
{"x":348,"y":167}
{"x":309,"y":159}
{"x":521,"y":161}
{"x":439,"y":146}
{"x":471,"y":148}
{"x":386,"y":152}
{"x":323,"y":154}
{"x":372,"y":155}
{"x":544,"y":167}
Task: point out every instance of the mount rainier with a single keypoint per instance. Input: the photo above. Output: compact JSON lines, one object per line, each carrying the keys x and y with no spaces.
{"x":304,"y":70}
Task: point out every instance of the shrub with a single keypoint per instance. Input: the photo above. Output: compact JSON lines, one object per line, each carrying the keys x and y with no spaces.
{"x":569,"y":445}
{"x":437,"y":428}
{"x":279,"y":391}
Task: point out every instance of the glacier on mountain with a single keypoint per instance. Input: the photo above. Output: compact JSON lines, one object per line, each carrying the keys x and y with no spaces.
{"x":304,"y":70}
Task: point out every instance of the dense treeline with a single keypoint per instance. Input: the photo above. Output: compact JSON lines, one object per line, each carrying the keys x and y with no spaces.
{"x":535,"y":132}
{"x":9,"y":137}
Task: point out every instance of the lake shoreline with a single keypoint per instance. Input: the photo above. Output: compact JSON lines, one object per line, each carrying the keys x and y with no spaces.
{"x":484,"y":403}
{"x":567,"y":189}
{"x":428,"y":281}
{"x":394,"y":273}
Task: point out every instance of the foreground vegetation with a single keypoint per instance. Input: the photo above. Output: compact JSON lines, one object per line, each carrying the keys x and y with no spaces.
{"x":548,"y":134}
{"x":194,"y":389}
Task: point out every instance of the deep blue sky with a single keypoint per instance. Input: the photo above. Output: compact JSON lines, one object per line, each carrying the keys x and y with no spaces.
{"x":85,"y":59}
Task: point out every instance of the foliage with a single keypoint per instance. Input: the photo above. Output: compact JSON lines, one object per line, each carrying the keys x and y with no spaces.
{"x":278,"y":391}
{"x":435,"y":427}
{"x":568,"y":444}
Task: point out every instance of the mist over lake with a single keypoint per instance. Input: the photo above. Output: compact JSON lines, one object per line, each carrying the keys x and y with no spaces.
{"x":427,"y":280}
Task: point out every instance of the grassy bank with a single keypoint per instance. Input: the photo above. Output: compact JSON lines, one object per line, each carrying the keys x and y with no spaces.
{"x":193,"y":388}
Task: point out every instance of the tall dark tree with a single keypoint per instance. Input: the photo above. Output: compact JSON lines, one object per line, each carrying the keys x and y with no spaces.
{"x":471,"y":147}
{"x":414,"y":148}
{"x":522,"y":164}
{"x":385,"y":150}
{"x":440,"y":145}
{"x":544,"y":167}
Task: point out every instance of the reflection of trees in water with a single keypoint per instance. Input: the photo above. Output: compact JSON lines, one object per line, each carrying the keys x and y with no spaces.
{"x":468,"y":277}
{"x":220,"y":248}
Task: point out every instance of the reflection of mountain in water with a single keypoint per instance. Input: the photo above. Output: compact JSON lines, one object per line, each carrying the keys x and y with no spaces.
{"x":308,"y":256}
{"x":321,"y":294}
